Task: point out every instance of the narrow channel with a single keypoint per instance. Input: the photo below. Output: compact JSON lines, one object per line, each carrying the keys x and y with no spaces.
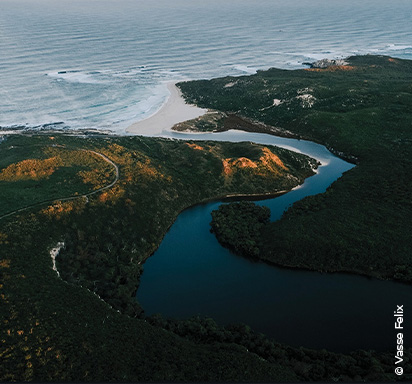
{"x":191,"y":274}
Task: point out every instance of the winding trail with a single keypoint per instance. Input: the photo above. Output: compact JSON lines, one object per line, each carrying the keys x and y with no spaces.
{"x":85,"y":195}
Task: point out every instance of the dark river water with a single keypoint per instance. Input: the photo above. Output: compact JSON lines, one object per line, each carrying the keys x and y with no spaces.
{"x":191,"y":274}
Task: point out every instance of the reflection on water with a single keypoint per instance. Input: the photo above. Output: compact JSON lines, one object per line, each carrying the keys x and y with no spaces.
{"x":192,"y":274}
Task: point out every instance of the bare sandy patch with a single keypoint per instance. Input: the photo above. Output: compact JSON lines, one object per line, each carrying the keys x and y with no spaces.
{"x":174,"y":111}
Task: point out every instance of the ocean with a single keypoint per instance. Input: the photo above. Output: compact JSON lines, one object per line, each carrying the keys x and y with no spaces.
{"x":105,"y":63}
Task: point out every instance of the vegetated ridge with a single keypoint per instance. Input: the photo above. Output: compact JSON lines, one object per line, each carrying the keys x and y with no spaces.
{"x":362,"y":112}
{"x":86,"y":324}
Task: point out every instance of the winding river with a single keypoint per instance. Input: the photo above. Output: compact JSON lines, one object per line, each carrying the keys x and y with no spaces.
{"x":191,"y":274}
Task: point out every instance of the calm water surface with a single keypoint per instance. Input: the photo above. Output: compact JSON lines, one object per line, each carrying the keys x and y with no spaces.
{"x":192,"y":274}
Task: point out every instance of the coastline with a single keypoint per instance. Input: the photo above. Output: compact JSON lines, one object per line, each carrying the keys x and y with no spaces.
{"x":174,"y":110}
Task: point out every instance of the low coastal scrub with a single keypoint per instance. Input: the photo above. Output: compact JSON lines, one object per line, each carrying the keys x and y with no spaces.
{"x":56,"y":328}
{"x":35,"y":170}
{"x":105,"y":248}
{"x":307,"y":365}
{"x":361,"y":224}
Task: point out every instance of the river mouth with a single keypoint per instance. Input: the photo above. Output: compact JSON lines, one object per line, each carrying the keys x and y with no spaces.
{"x":192,"y":274}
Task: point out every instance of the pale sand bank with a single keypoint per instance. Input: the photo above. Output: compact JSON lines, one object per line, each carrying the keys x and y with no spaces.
{"x":174,"y":111}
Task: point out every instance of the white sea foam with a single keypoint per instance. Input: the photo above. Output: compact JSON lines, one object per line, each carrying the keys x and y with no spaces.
{"x":108,"y":75}
{"x":76,"y":77}
{"x":126,"y":74}
{"x":245,"y":69}
{"x":155,"y":97}
{"x":397,"y":47}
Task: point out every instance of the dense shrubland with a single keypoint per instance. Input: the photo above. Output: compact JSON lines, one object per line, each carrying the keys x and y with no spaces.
{"x":362,"y":112}
{"x":56,"y":329}
{"x":238,"y":226}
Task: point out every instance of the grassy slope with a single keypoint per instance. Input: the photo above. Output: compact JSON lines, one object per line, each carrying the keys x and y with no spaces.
{"x":361,"y":224}
{"x":62,"y":168}
{"x":52,"y":330}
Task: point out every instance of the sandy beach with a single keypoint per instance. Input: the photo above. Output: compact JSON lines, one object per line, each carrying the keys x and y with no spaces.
{"x":174,"y":111}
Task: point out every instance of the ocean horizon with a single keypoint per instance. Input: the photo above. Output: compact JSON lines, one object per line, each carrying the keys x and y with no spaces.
{"x":105,"y":64}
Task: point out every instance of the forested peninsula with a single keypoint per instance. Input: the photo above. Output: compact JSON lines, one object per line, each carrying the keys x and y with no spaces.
{"x":361,"y":110}
{"x":80,"y":214}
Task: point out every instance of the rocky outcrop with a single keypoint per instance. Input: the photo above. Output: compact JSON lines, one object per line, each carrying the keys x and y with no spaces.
{"x":325,"y":63}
